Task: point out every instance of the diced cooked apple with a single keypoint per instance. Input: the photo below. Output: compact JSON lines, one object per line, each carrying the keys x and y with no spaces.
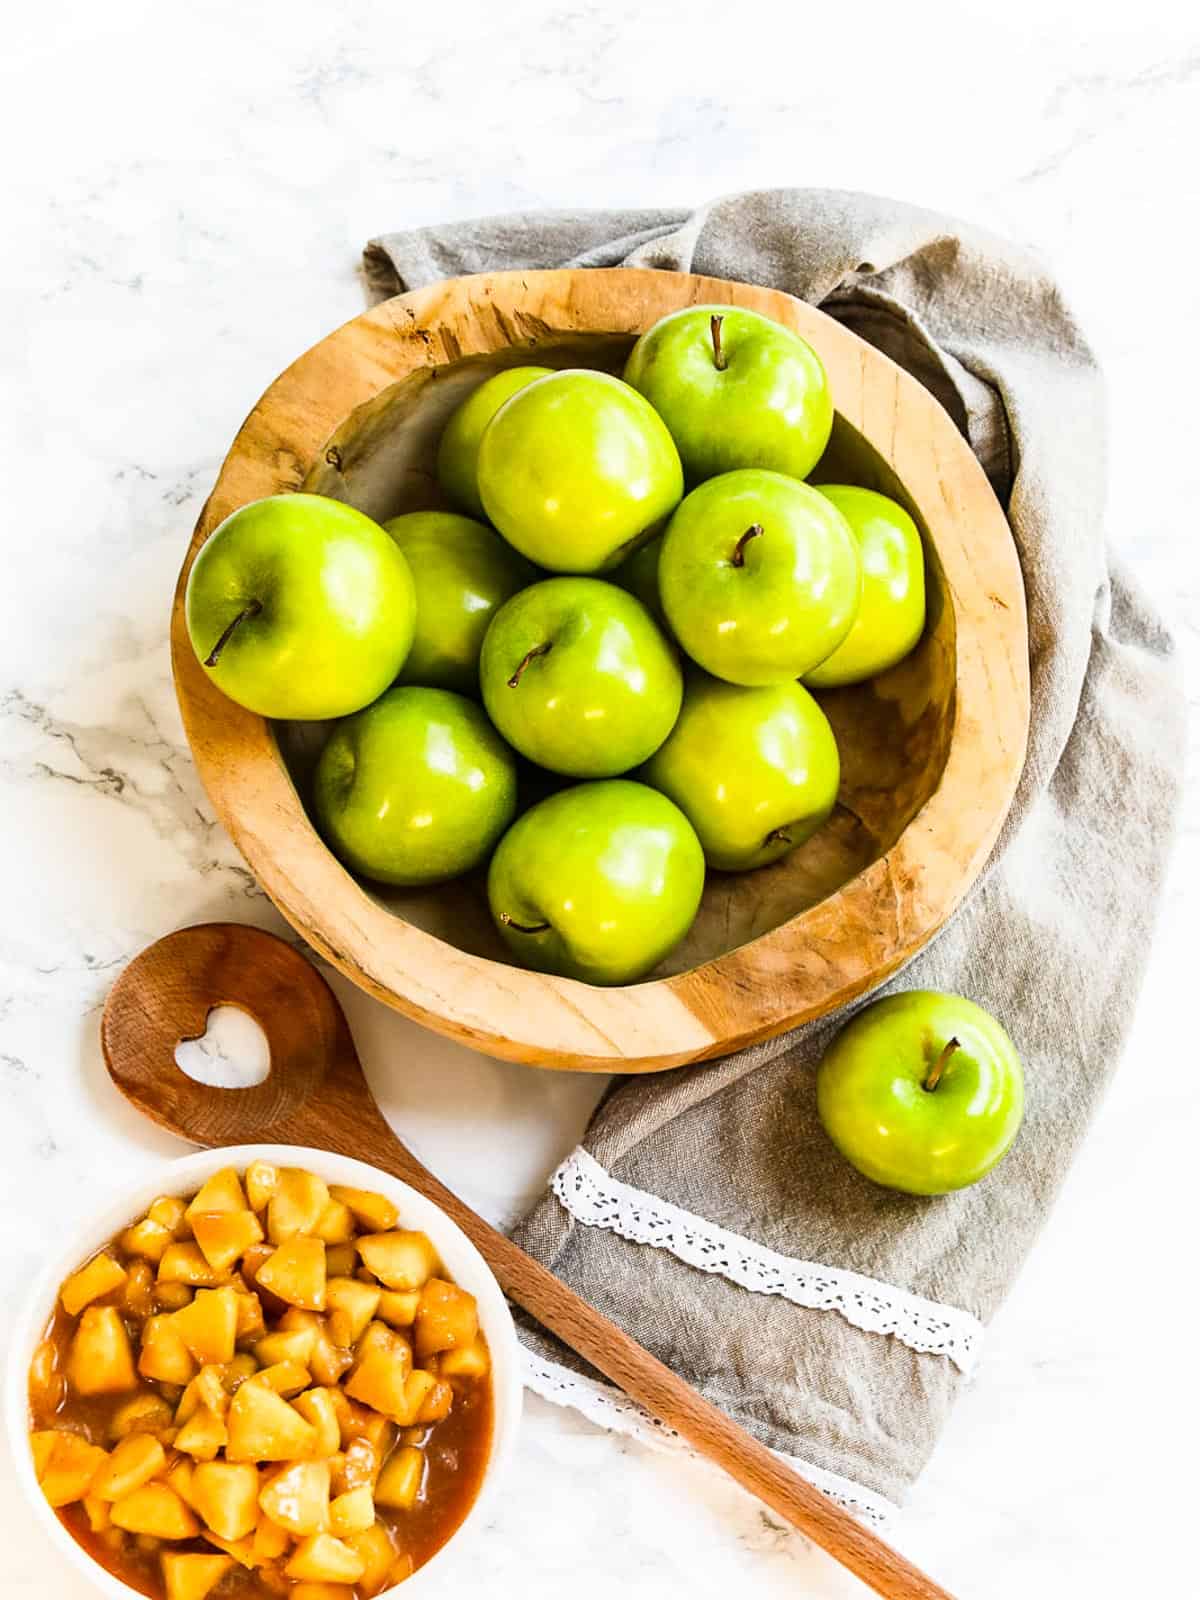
{"x":400,"y":1260}
{"x":375,"y":1550}
{"x":378,"y":1381}
{"x":262,"y":1427}
{"x":270,"y":1541}
{"x":328,"y":1361}
{"x":434,"y":1404}
{"x":354,"y":1466}
{"x":324,"y":1559}
{"x":296,"y":1205}
{"x":297,"y":1498}
{"x":400,"y":1481}
{"x":296,"y":1273}
{"x":134,"y":1462}
{"x":155,"y":1509}
{"x":372,"y":1211}
{"x":398,"y":1307}
{"x":254,"y":1258}
{"x":47,"y":1384}
{"x":147,"y":1239}
{"x":223,"y":1236}
{"x":234,"y":1373}
{"x":203,"y":1435}
{"x":377,"y":1336}
{"x":100,"y":1276}
{"x":184,"y":1263}
{"x":341,"y":1260}
{"x":164,"y":1357}
{"x":251,"y":1324}
{"x":351,"y":1306}
{"x":145,"y":1413}
{"x":65,"y":1464}
{"x":447,"y":1319}
{"x":352,"y":1512}
{"x":261,"y":1179}
{"x":98,"y":1512}
{"x":170,"y":1212}
{"x":361,"y":1422}
{"x":180,"y":1475}
{"x":172,"y":1296}
{"x":317,"y":1407}
{"x":207,"y":1388}
{"x":242,"y":1550}
{"x":225,"y":1494}
{"x":222,"y":1192}
{"x":285,"y":1377}
{"x":468,"y":1361}
{"x":296,"y":1346}
{"x":100,"y":1360}
{"x":137,"y":1292}
{"x":192,"y":1577}
{"x":335,"y":1225}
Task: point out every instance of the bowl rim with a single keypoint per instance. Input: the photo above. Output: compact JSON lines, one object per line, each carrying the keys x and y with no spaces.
{"x":813,"y":963}
{"x":182,"y":1176}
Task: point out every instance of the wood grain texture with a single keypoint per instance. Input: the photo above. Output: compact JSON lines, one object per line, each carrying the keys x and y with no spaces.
{"x":932,"y":750}
{"x":316,"y":1095}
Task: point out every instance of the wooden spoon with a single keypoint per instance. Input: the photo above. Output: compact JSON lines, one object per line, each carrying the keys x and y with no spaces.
{"x":315,"y":1094}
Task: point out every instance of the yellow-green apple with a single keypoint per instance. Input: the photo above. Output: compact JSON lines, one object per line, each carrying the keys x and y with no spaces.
{"x":458,"y":452}
{"x":300,"y":607}
{"x":416,"y":788}
{"x":598,"y":882}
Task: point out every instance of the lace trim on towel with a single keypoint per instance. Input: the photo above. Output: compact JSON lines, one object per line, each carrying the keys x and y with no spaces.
{"x":598,"y":1200}
{"x":609,"y":1408}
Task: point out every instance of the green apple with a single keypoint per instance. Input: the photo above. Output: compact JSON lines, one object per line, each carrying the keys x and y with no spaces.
{"x":576,"y":470}
{"x":639,"y":574}
{"x":300,"y":607}
{"x":755,"y":771}
{"x":579,"y":677}
{"x":922,"y":1092}
{"x":597,"y":882}
{"x":760,"y":577}
{"x":415,"y":789}
{"x":463,"y":574}
{"x":458,"y":452}
{"x":891,"y":614}
{"x":736,"y":390}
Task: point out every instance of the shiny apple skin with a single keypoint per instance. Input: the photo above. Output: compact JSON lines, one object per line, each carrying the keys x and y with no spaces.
{"x":463,"y":573}
{"x":770,"y":406}
{"x":416,"y":788}
{"x":613,"y":867}
{"x":891,"y":613}
{"x":755,"y":771}
{"x":871,"y":1099}
{"x":458,"y":450}
{"x":605,"y":694}
{"x":576,"y":470}
{"x":337,"y":607}
{"x":792,"y":600}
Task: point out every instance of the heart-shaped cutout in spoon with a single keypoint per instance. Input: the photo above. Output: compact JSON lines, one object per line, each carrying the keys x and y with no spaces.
{"x":316,"y":1094}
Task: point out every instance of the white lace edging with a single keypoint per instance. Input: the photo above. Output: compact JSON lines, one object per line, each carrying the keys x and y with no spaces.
{"x":598,"y":1200}
{"x":609,"y":1408}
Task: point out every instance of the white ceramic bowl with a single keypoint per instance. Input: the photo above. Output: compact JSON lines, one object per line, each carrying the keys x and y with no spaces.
{"x":463,"y":1262}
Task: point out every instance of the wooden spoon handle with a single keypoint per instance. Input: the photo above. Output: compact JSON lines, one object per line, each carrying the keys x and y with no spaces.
{"x":666,"y":1396}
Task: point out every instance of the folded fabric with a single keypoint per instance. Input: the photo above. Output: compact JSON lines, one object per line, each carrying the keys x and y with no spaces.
{"x":708,"y":1214}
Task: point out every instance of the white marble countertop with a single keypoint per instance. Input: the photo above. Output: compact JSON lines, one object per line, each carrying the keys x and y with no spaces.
{"x":185,"y":193}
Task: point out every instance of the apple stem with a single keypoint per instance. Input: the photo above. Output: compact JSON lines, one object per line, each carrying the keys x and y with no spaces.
{"x":714,"y":327}
{"x":778,"y":835}
{"x":214,"y":655}
{"x":530,"y":655}
{"x":739,"y":549}
{"x":523,"y":927}
{"x":934,"y":1076}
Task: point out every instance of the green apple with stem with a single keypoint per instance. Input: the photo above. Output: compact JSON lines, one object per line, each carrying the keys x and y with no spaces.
{"x":458,"y":451}
{"x":891,"y":614}
{"x":300,"y":607}
{"x":579,"y":677}
{"x":416,"y":788}
{"x":463,"y":574}
{"x":736,"y":389}
{"x":755,"y":771}
{"x":922,"y":1092}
{"x":576,"y":470}
{"x":598,"y":882}
{"x":760,"y":577}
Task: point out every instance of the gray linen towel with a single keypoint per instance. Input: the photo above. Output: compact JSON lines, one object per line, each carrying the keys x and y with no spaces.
{"x":708,"y":1214}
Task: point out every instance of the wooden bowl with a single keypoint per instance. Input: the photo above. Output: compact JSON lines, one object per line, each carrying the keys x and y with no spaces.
{"x":931,"y":751}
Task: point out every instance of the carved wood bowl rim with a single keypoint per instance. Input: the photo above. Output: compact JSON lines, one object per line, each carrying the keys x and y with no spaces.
{"x":807,"y":966}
